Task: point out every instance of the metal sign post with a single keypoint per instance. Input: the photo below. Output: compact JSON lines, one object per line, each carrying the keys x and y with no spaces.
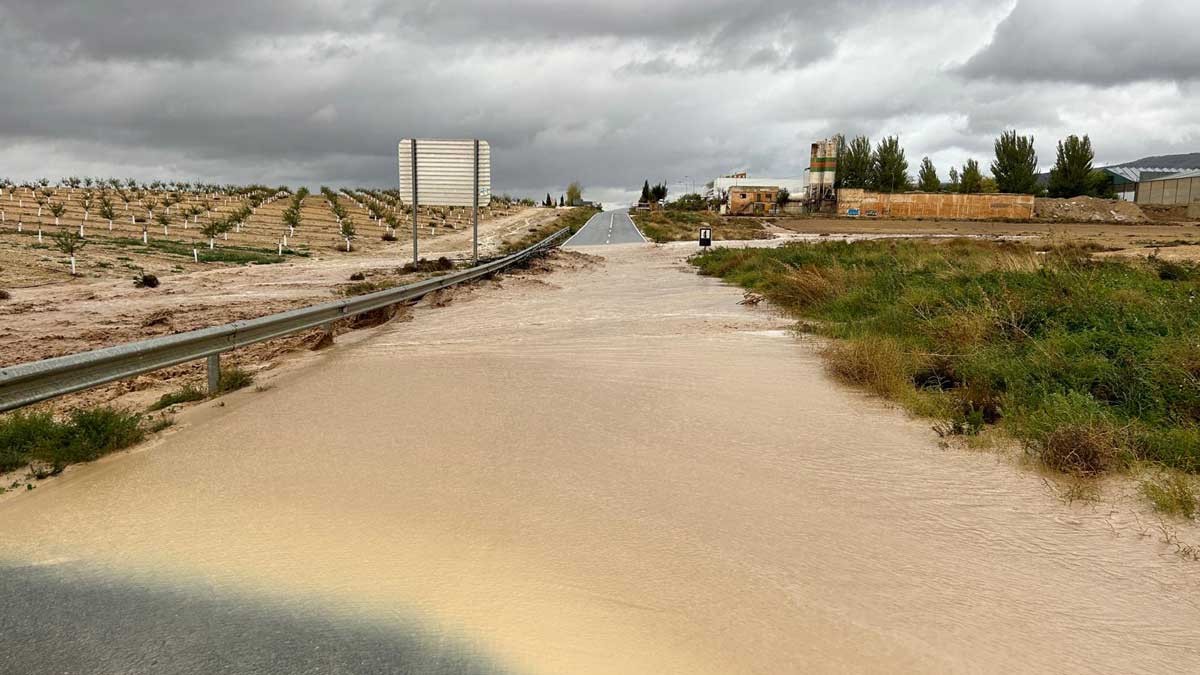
{"x":414,"y":199}
{"x":705,"y":237}
{"x":475,"y":212}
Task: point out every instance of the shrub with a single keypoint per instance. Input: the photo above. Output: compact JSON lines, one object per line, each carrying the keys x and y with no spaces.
{"x":186,"y":394}
{"x":99,"y":431}
{"x":880,"y":364}
{"x":1171,"y":494}
{"x":85,"y":435}
{"x":234,"y":378}
{"x":5,"y":295}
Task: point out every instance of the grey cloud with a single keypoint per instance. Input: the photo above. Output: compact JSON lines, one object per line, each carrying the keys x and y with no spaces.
{"x":610,"y":93}
{"x":169,"y":29}
{"x":1099,"y":42}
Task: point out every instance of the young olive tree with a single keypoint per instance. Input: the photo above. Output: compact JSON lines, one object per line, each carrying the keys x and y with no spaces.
{"x":348,"y":231}
{"x":56,"y":210}
{"x":107,"y":211}
{"x":70,"y":243}
{"x":164,"y":218}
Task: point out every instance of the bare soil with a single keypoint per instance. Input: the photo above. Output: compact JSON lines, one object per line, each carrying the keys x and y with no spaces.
{"x":117,"y":251}
{"x":1088,"y":209}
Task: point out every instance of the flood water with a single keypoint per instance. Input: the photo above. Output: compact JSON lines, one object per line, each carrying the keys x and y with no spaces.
{"x":612,"y":469}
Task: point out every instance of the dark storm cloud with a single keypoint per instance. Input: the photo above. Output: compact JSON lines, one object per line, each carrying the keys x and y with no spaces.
{"x":168,"y":29}
{"x":314,"y":91}
{"x":1099,"y":42}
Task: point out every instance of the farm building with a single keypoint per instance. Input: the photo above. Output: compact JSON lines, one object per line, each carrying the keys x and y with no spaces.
{"x":755,"y":200}
{"x":720,"y":188}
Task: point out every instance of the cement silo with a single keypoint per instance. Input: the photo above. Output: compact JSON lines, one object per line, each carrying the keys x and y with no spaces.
{"x":823,"y":169}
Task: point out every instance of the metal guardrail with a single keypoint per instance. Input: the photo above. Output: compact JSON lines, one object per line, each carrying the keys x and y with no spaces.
{"x":27,"y":383}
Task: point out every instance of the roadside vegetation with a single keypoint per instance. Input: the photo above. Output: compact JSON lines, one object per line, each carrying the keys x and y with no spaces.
{"x":37,"y":438}
{"x":662,"y":226}
{"x":1092,"y":364}
{"x":574,"y":219}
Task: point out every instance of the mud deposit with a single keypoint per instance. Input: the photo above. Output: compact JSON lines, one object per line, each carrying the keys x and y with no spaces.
{"x":610,"y":469}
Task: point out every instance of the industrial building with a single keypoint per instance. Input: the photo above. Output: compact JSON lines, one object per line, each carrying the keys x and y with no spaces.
{"x":1127,"y":176}
{"x":721,"y":188}
{"x":1175,"y":189}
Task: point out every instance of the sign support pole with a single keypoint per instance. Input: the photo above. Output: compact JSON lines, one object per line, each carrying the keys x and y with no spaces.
{"x":414,"y":199}
{"x":475,"y":210}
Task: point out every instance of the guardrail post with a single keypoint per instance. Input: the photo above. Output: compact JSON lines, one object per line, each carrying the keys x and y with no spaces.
{"x":214,"y":373}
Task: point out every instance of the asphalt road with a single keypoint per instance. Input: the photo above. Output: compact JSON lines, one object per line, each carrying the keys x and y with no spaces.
{"x":608,"y":227}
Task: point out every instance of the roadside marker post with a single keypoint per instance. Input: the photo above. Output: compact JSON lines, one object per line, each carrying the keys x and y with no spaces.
{"x":475,"y":211}
{"x":705,"y":237}
{"x":414,"y":198}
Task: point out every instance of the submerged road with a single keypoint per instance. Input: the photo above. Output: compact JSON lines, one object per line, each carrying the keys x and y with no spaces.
{"x":608,"y":227}
{"x":611,"y":468}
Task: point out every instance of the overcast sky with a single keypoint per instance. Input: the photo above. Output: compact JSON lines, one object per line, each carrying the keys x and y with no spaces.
{"x":609,"y":92}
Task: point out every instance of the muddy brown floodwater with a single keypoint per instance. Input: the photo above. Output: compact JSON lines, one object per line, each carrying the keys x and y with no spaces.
{"x":614,"y":469}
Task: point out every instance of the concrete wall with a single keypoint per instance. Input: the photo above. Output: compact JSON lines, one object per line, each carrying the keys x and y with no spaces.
{"x":1171,"y":191}
{"x":935,"y":205}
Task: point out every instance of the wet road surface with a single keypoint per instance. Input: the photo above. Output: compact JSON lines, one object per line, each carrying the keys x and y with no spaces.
{"x":608,"y":227}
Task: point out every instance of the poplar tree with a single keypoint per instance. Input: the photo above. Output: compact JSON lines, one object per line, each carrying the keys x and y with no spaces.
{"x":972,"y":178}
{"x":854,"y":164}
{"x":889,"y":168}
{"x":1071,"y":175}
{"x":1015,"y":166}
{"x":929,"y":181}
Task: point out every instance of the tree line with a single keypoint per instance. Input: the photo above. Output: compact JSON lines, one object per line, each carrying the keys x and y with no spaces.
{"x":884,"y":168}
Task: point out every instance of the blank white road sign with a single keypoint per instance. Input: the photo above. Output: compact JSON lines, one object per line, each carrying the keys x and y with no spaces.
{"x":445,"y":171}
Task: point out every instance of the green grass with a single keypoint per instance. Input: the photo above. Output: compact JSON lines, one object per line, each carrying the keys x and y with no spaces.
{"x":186,"y":394}
{"x":224,"y":254}
{"x":574,"y":219}
{"x":83,"y":436}
{"x":1090,"y":363}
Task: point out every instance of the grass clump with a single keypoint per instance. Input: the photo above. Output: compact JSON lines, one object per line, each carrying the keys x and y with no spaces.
{"x":186,"y":394}
{"x":365,"y":287}
{"x":1090,"y":363}
{"x":1172,"y":495}
{"x":234,"y":378}
{"x":83,"y":436}
{"x":442,"y":264}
